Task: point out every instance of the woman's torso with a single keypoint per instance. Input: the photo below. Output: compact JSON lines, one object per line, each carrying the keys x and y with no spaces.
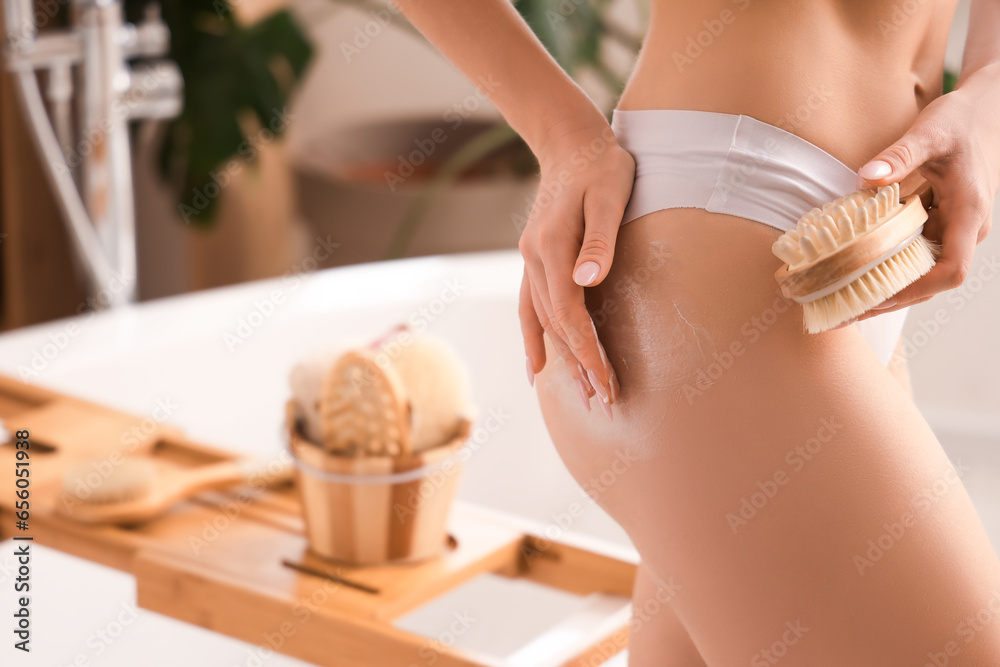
{"x":847,"y":75}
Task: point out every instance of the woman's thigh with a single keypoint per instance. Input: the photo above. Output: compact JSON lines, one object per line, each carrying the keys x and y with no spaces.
{"x":785,"y":481}
{"x":657,"y":637}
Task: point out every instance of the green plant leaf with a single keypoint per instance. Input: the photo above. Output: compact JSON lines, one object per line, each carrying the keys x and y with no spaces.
{"x":570,"y":31}
{"x":949,"y":80}
{"x":229,"y":70}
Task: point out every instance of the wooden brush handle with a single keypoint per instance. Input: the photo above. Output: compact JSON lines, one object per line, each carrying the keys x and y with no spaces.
{"x":922,"y":188}
{"x":234,"y":472}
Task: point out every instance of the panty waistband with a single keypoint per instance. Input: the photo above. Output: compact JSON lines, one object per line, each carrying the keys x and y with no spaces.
{"x":726,"y":163}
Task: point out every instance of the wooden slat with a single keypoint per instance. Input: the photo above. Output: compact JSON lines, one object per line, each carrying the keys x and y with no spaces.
{"x":306,"y":626}
{"x":573,"y":569}
{"x":217,"y":560}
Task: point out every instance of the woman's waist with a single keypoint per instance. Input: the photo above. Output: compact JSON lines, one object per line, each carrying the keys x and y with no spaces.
{"x":849,"y":121}
{"x":839,"y":84}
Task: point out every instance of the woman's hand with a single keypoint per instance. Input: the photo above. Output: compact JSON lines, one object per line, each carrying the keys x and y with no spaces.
{"x":955,"y":144}
{"x":567,"y":243}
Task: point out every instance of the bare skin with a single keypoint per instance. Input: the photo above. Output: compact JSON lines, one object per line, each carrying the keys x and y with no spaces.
{"x":708,"y":442}
{"x":784,"y":484}
{"x":707,"y":429}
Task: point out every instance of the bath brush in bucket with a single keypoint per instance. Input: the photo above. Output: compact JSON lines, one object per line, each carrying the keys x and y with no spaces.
{"x":401,"y":394}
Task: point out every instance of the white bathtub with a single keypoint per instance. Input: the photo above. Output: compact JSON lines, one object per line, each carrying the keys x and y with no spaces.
{"x":175,"y":352}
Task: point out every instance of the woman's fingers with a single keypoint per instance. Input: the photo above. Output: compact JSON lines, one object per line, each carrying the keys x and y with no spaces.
{"x":957,"y":225}
{"x":924,"y":141}
{"x":574,"y":367}
{"x":567,"y":244}
{"x":543,"y":306}
{"x":570,"y":310}
{"x":932,"y":146}
{"x":603,"y":207}
{"x":531,"y":330}
{"x":544,"y":237}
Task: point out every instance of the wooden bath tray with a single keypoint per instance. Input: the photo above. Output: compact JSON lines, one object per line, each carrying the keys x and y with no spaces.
{"x":236,"y":562}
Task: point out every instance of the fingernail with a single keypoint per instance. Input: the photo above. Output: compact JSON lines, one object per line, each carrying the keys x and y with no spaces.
{"x":585,"y":273}
{"x":583,"y":393}
{"x":596,"y":384}
{"x":531,"y":373}
{"x":615,"y":387}
{"x":883,"y":306}
{"x":606,"y":408}
{"x":875,"y":170}
{"x":583,"y":378}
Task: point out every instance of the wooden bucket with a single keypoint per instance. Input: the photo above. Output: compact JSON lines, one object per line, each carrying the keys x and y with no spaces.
{"x":376,"y":509}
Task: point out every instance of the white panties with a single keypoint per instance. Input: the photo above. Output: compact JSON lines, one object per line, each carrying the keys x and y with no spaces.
{"x":737,"y":165}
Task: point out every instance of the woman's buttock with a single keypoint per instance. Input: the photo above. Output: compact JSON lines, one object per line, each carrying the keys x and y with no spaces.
{"x":689,"y":308}
{"x":701,"y":340}
{"x":750,"y":462}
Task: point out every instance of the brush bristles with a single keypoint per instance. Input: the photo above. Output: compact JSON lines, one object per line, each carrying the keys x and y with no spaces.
{"x":103,"y":483}
{"x":871,"y":289}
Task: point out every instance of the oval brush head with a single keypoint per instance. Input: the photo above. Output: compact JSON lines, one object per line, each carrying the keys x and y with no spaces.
{"x":364,"y":407}
{"x":130,"y":480}
{"x":438,"y":386}
{"x":854,"y":253}
{"x":136,"y":490}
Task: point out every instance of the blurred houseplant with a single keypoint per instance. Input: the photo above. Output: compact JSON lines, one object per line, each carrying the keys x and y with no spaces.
{"x":237,"y":79}
{"x":576,"y":33}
